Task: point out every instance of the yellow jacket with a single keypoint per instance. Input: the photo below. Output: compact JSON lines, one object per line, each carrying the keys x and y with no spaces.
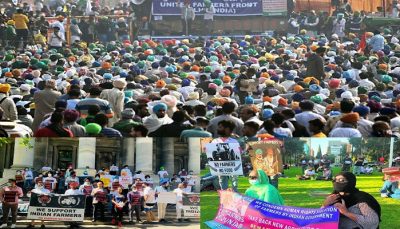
{"x":21,"y":21}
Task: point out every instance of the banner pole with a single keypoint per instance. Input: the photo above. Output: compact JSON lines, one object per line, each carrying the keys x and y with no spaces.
{"x":391,"y":152}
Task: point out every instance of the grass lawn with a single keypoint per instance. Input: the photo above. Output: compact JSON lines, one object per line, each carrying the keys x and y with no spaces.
{"x":296,"y":193}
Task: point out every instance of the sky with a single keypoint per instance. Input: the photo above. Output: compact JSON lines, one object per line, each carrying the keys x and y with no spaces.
{"x":324,"y":142}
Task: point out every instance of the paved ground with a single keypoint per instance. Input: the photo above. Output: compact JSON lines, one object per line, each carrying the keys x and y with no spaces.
{"x":22,"y":222}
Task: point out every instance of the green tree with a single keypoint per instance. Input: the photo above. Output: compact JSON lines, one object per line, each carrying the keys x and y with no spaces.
{"x":319,"y":153}
{"x":293,"y":149}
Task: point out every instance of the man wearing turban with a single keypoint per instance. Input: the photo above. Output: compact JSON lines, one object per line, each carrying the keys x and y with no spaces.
{"x":158,"y":118}
{"x":115,"y":97}
{"x":7,"y":104}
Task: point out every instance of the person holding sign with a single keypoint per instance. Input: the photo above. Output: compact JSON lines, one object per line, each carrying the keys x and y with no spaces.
{"x":149,"y":201}
{"x":9,"y":197}
{"x":357,"y":209}
{"x":225,"y":131}
{"x":261,"y":189}
{"x":179,"y":201}
{"x":161,"y":207}
{"x":135,"y":203}
{"x":87,"y":189}
{"x":40,"y":190}
{"x":99,"y":195}
{"x":118,"y":201}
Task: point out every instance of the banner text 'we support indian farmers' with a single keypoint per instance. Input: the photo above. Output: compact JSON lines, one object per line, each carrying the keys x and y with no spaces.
{"x":222,"y":7}
{"x":237,"y":211}
{"x":57,"y":207}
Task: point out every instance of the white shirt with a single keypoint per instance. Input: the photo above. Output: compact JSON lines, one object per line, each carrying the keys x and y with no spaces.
{"x":179,"y":194}
{"x":40,"y":191}
{"x":366,"y":83}
{"x":365,"y":127}
{"x":139,"y":176}
{"x":72,"y":192}
{"x":209,"y":14}
{"x":149,"y":192}
{"x":28,"y":175}
{"x":345,"y":133}
{"x":304,"y":117}
{"x":162,"y":173}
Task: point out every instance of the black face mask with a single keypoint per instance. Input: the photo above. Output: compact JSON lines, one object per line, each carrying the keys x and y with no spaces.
{"x":340,"y":187}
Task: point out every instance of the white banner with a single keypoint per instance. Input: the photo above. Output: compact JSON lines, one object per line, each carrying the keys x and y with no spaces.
{"x":56,"y":214}
{"x":166,"y":198}
{"x":191,"y":211}
{"x":224,"y":159}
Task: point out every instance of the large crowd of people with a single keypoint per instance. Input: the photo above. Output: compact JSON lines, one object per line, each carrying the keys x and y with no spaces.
{"x":308,"y":83}
{"x":111,"y":196}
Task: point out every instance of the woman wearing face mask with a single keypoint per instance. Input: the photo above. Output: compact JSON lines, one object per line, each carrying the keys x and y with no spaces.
{"x":261,"y":189}
{"x":87,"y":189}
{"x":357,"y":209}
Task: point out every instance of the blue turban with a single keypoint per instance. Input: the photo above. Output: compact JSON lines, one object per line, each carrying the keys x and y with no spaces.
{"x":362,"y":110}
{"x":160,"y":106}
{"x":107,"y":76}
{"x":249,"y":100}
{"x":314,"y":88}
{"x":267,"y":113}
{"x":290,"y":76}
{"x":297,"y":97}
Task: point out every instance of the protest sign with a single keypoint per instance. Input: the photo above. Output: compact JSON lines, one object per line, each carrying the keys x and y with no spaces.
{"x":57,"y":207}
{"x":224,"y":159}
{"x":238,"y":211}
{"x":191,"y":205}
{"x":222,"y":7}
{"x":166,"y":198}
{"x":266,"y":155}
{"x":125,"y":180}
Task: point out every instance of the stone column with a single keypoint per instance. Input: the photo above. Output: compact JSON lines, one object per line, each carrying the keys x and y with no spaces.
{"x":86,"y":153}
{"x":168,"y":155}
{"x":24,"y":150}
{"x":128,"y":153}
{"x":194,"y":159}
{"x":144,"y":155}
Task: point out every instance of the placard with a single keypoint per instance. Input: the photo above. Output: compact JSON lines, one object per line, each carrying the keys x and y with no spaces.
{"x":266,"y":155}
{"x":191,"y":205}
{"x":224,"y":159}
{"x":166,"y":198}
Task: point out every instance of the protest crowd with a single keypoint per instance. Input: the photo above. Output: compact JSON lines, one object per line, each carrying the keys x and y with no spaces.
{"x":110,"y":195}
{"x":323,"y":78}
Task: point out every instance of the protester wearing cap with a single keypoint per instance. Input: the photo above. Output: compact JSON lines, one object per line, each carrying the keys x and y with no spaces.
{"x":9,"y":197}
{"x":7,"y":104}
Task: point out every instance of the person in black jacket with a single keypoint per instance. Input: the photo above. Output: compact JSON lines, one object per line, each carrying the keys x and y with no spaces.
{"x":315,"y":64}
